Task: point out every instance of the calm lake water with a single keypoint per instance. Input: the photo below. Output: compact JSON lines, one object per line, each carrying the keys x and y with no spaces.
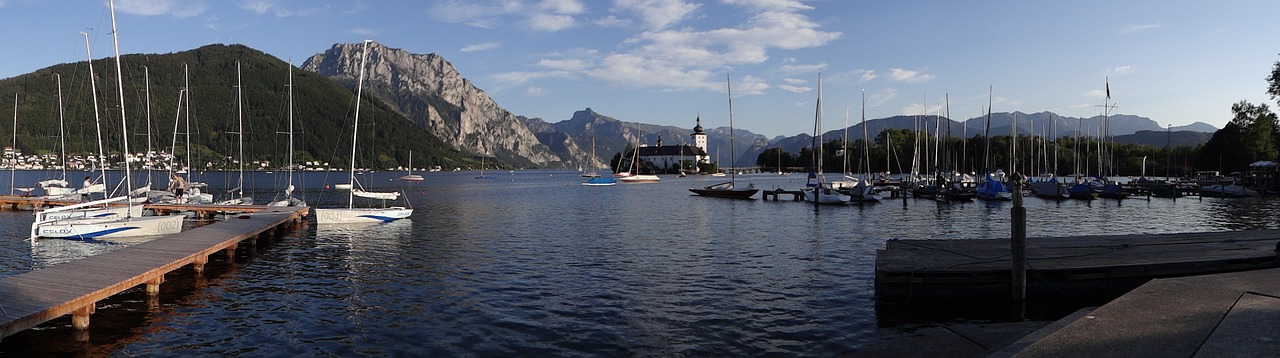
{"x":531,"y":263}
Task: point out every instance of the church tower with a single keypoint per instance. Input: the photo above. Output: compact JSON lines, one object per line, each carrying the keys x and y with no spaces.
{"x":700,"y":140}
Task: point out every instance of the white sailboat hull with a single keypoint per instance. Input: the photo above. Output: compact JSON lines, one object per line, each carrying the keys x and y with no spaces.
{"x":91,"y":213}
{"x":824,"y":196}
{"x":361,"y":215}
{"x":103,"y":228}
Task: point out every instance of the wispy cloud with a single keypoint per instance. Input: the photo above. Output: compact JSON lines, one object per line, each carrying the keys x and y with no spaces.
{"x":1132,"y":28}
{"x":533,"y":91}
{"x":544,"y":15}
{"x":795,"y":89}
{"x":612,"y":21}
{"x":908,"y":76}
{"x":175,"y":8}
{"x":881,"y":97}
{"x":657,"y":14}
{"x":363,"y":31}
{"x":262,"y":7}
{"x":480,"y":47}
{"x":1120,"y":70}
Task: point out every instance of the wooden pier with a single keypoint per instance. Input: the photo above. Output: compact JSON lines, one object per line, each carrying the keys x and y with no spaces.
{"x":1082,"y":266}
{"x":796,"y":195}
{"x":32,"y":298}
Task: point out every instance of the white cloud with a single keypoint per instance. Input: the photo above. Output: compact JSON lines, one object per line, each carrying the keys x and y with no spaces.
{"x":363,"y":31}
{"x":677,"y":59}
{"x":612,"y":21}
{"x":802,"y":69}
{"x":569,"y":7}
{"x":657,"y":14}
{"x":795,"y":81}
{"x":908,"y":76}
{"x":1098,"y":93}
{"x":533,"y":91}
{"x":795,"y":89}
{"x":175,"y":8}
{"x":1132,"y":28}
{"x":1120,"y":70}
{"x":480,"y":47}
{"x":550,"y":22}
{"x":262,"y":7}
{"x":546,"y":15}
{"x":881,"y":97}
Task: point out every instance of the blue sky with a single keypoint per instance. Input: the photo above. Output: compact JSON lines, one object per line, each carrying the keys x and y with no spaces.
{"x":665,"y":61}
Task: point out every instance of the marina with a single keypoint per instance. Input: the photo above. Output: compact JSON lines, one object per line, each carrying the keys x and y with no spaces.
{"x":560,"y":267}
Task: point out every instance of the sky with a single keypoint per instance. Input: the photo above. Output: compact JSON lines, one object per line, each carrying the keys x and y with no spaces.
{"x":667,"y":61}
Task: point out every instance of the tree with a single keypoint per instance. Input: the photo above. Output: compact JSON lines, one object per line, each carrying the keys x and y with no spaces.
{"x":1249,"y":137}
{"x":1274,"y":81}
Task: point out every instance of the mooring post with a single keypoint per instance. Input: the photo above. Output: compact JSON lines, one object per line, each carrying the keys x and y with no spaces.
{"x":80,"y":317}
{"x":153,"y":286}
{"x":198,"y":264}
{"x":1018,"y":228}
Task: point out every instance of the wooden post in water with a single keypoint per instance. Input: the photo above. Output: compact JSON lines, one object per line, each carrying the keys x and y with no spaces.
{"x":1018,"y":228}
{"x":198,"y":264}
{"x":153,"y":287}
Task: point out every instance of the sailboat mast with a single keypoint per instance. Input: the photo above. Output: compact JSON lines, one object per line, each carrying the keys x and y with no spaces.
{"x":240,"y":129}
{"x":124,"y":124}
{"x":351,"y":194}
{"x":146,"y":79}
{"x":186,"y":85}
{"x":62,"y":131}
{"x":97,"y":120}
{"x":986,"y":135}
{"x":289,"y":188}
{"x":14,"y":167}
{"x":729,"y":88}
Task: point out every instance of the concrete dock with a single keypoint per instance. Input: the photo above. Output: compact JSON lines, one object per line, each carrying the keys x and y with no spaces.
{"x":1221,"y":315}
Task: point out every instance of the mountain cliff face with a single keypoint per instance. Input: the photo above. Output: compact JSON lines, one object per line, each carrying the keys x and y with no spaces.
{"x":428,"y":90}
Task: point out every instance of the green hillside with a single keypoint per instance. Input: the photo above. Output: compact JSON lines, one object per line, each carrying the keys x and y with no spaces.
{"x":323,"y":112}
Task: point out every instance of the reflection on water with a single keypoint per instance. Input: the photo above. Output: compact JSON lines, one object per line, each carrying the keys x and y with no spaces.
{"x":533,"y":264}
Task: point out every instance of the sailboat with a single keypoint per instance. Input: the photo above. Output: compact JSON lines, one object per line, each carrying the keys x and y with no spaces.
{"x":635,"y":176}
{"x":817,"y":190}
{"x":351,"y":214}
{"x":112,"y":226}
{"x":238,"y":197}
{"x":100,"y":209}
{"x":593,"y":178}
{"x":482,"y":176}
{"x":289,"y":200}
{"x":991,"y":188}
{"x":58,"y":188}
{"x":728,"y":189}
{"x":409,"y":175}
{"x":864,"y":192}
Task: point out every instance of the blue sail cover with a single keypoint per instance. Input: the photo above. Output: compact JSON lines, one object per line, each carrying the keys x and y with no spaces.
{"x":991,"y":187}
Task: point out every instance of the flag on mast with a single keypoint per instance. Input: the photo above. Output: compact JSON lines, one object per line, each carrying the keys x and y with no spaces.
{"x":1108,"y":89}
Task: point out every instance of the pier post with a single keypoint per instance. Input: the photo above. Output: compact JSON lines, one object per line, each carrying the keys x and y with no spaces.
{"x":231,"y":253}
{"x":198,"y":264}
{"x":1018,"y":228}
{"x":80,"y":317}
{"x":153,"y":286}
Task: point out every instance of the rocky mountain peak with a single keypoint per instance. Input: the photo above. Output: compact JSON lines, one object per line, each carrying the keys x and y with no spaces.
{"x":428,"y":90}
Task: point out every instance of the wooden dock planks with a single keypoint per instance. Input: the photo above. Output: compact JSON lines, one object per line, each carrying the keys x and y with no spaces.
{"x":980,"y":269}
{"x":32,"y":298}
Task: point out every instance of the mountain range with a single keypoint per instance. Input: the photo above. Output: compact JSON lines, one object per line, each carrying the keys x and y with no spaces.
{"x":420,"y":102}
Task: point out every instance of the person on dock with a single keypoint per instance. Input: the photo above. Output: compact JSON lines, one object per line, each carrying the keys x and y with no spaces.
{"x":84,"y":191}
{"x":178,"y":186}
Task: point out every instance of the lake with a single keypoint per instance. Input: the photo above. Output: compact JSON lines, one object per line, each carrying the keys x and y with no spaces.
{"x":531,"y":263}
